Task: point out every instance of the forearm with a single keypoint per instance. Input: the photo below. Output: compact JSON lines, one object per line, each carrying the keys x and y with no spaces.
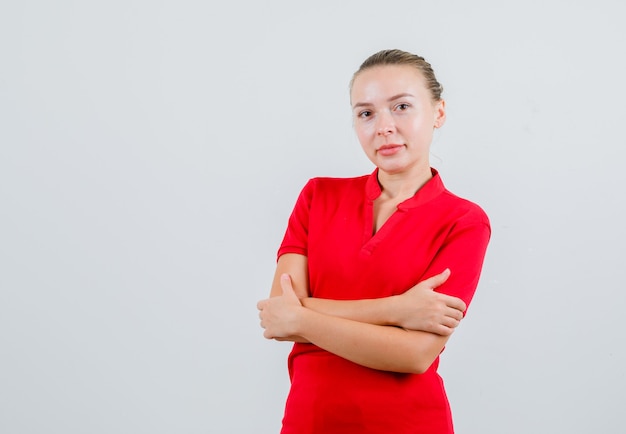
{"x":374,"y":346}
{"x":419,"y":308}
{"x":378,"y":311}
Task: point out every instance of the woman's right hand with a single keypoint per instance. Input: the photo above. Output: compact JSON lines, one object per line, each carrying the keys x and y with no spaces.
{"x":422,"y":308}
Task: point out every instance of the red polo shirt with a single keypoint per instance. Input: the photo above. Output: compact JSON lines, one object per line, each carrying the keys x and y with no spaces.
{"x":332,"y":225}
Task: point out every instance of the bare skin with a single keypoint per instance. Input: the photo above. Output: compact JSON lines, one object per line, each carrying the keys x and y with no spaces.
{"x":394,"y":119}
{"x":376,"y":346}
{"x":419,"y":308}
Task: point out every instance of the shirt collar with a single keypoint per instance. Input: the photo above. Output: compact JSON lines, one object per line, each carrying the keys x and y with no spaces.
{"x":433,"y":188}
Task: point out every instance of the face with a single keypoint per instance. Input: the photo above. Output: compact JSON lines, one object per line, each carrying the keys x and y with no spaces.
{"x":394,"y":118}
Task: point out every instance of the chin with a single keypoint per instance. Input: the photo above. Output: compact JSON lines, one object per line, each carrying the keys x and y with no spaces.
{"x":399,"y":167}
{"x":391,"y":164}
{"x":392,"y":169}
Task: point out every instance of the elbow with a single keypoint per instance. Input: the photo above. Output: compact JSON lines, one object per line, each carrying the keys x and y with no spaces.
{"x":420,"y":367}
{"x":420,"y":363}
{"x":424,"y":351}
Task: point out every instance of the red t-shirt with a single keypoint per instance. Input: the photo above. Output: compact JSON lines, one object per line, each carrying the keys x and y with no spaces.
{"x":332,"y":224}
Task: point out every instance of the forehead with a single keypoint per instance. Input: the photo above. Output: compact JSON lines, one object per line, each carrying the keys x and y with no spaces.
{"x":385,"y":80}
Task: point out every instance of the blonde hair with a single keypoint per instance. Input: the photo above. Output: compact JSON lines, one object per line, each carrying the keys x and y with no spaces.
{"x":399,"y":57}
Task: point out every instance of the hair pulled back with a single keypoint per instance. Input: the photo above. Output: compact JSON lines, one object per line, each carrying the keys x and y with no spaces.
{"x":399,"y":57}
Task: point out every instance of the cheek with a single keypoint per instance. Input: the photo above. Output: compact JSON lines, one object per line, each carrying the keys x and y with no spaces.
{"x":363,"y":133}
{"x":423,"y":126}
{"x":364,"y":141}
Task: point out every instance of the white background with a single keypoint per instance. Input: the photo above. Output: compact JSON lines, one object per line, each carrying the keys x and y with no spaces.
{"x":151,"y":152}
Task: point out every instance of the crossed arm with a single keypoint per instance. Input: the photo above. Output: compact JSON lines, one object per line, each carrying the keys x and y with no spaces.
{"x":403,"y":333}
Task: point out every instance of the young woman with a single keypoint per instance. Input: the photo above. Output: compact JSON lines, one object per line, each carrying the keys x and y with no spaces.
{"x":357,"y":270}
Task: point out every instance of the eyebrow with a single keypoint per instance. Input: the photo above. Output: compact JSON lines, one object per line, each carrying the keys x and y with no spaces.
{"x":393,"y":98}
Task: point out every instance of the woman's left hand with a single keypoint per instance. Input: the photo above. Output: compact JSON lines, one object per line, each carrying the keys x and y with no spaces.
{"x":280,"y":315}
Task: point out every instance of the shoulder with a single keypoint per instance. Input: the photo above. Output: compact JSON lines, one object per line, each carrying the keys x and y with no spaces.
{"x":336,"y":186}
{"x":326,"y":181}
{"x":327,"y":191}
{"x":464,"y":210}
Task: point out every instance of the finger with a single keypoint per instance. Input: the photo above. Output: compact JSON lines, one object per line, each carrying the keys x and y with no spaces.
{"x":454,"y":302}
{"x":454,"y":313}
{"x":261,"y":304}
{"x":285,"y":282}
{"x":286,"y":285}
{"x":450,"y":322}
{"x":438,"y":279}
{"x":444,"y":330}
{"x":459,"y":305}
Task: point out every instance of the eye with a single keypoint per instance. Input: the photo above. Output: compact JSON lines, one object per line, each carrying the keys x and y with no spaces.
{"x":364,"y":114}
{"x":402,"y":106}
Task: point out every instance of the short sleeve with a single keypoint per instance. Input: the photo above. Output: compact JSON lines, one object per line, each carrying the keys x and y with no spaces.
{"x":463,"y":252}
{"x":297,"y":233}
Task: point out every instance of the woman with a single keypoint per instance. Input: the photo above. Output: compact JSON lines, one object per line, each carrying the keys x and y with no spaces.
{"x":360,"y":259}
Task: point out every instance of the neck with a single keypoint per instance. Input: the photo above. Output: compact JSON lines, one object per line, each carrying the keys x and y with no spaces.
{"x":403,"y":185}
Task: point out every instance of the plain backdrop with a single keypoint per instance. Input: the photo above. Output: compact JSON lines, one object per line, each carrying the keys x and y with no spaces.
{"x":150,"y":155}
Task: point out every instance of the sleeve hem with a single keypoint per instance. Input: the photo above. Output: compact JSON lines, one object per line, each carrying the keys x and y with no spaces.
{"x":291,"y":249}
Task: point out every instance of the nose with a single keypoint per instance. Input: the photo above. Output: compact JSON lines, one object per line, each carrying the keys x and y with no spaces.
{"x":385,"y":125}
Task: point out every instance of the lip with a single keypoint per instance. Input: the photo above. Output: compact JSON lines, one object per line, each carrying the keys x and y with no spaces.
{"x":387,"y":150}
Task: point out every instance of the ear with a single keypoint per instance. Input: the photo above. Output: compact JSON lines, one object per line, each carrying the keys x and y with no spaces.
{"x":440,"y":113}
